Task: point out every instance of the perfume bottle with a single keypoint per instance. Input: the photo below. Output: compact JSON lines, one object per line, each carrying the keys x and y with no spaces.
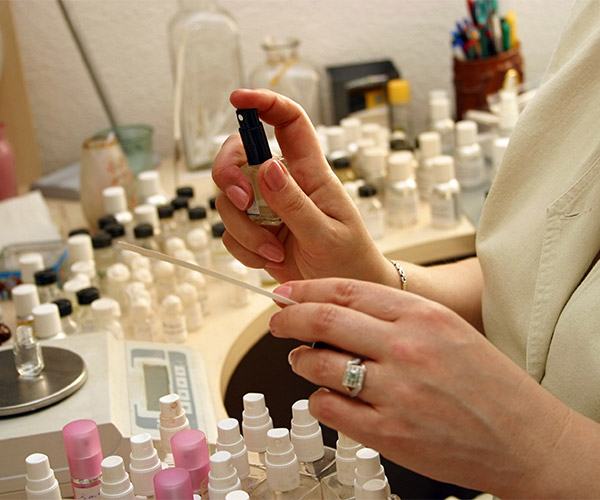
{"x":222,"y":477}
{"x":115,"y":483}
{"x":41,"y":483}
{"x":256,"y":422}
{"x":340,"y":484}
{"x":257,"y":150}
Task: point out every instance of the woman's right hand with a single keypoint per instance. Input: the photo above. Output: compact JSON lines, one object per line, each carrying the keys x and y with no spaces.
{"x":322,"y":234}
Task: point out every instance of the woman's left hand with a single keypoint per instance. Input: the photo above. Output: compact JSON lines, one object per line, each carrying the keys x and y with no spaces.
{"x":438,"y":398}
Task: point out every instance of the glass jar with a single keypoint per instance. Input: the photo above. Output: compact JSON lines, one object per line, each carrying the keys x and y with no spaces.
{"x":286,"y":73}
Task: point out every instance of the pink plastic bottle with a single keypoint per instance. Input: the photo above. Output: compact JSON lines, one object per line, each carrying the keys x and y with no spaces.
{"x":8,"y":173}
{"x":84,"y":454}
{"x":173,"y":484}
{"x":190,"y":451}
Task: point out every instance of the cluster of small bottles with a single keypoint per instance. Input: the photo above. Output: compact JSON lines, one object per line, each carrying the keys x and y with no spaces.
{"x":121,"y":292}
{"x":388,"y":171}
{"x":257,"y":462}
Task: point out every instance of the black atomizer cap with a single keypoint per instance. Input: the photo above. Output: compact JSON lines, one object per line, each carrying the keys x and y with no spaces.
{"x":253,"y":136}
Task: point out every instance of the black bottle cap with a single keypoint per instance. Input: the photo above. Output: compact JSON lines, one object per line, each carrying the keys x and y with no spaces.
{"x":105,"y":220}
{"x":341,"y":162}
{"x":253,"y":136}
{"x":180,"y":202}
{"x":197,"y":213}
{"x":218,"y":229}
{"x":64,"y":307}
{"x":165,"y":211}
{"x":86,"y":296}
{"x":101,"y":239}
{"x":79,"y":230}
{"x":116,"y":230}
{"x":45,"y":277}
{"x":143,"y":230}
{"x":212,"y":202}
{"x":185,"y":191}
{"x":367,"y":190}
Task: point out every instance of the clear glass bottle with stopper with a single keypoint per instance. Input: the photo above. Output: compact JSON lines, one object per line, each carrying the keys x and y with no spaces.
{"x":29,"y":360}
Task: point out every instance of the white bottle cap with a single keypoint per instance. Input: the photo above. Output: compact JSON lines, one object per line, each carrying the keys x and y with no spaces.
{"x":172,"y":305}
{"x":115,"y":481}
{"x":46,"y":320}
{"x":336,"y":138}
{"x":187,"y":293}
{"x":306,"y":434}
{"x":118,"y":273}
{"x":437,"y":94}
{"x":173,"y":244}
{"x":115,"y":199}
{"x":283,"y":469}
{"x":85,"y":267}
{"x":72,"y":286}
{"x":237,"y":495}
{"x":374,"y":489}
{"x":256,"y":422}
{"x":148,"y":183}
{"x":466,"y":133}
{"x":164,"y":270}
{"x":141,"y":308}
{"x":439,"y":108}
{"x":222,"y":477}
{"x":351,"y":126}
{"x":144,"y":464}
{"x":230,"y":439}
{"x":79,"y":247}
{"x":186,"y":255}
{"x":172,"y":419}
{"x":371,"y":131}
{"x":29,"y":263}
{"x":25,"y":298}
{"x":41,"y":484}
{"x":345,"y":458}
{"x":443,"y":169}
{"x":146,"y":214}
{"x":368,"y":466}
{"x":105,"y":309}
{"x":401,"y":166}
{"x":197,"y":239}
{"x":430,"y":144}
{"x":374,"y":161}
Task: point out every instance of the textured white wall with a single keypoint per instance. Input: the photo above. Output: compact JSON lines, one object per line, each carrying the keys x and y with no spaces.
{"x":127,"y":40}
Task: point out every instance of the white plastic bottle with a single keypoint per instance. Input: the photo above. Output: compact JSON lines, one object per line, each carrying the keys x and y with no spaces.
{"x":46,"y":322}
{"x":284,"y":480}
{"x":430,"y":146}
{"x":402,"y":195}
{"x":374,"y":167}
{"x":173,"y":319}
{"x":340,"y":484}
{"x":316,"y":459}
{"x":106,"y":313}
{"x":444,"y":202}
{"x":199,"y":243}
{"x":144,"y":464}
{"x":149,"y":188}
{"x":199,"y":282}
{"x":442,"y":122}
{"x":25,"y":298}
{"x":256,"y":422}
{"x":238,"y":296}
{"x":470,"y":164}
{"x":118,"y":277}
{"x":223,"y":477}
{"x":40,"y":482}
{"x":166,"y":280}
{"x":371,"y":210}
{"x":368,"y":466}
{"x":115,"y":203}
{"x":115,"y":480}
{"x":172,"y":420}
{"x":194,"y":318}
{"x":29,"y":263}
{"x":144,"y":321}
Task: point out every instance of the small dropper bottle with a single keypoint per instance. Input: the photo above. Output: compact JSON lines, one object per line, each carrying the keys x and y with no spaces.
{"x":46,"y":281}
{"x":40,"y":482}
{"x":223,"y":477}
{"x":371,"y":210}
{"x":402,"y":196}
{"x":430,"y":146}
{"x":256,"y":421}
{"x":368,"y":466}
{"x":284,"y":480}
{"x":340,"y":485}
{"x":316,"y":460}
{"x":230,"y":439}
{"x":444,"y":201}
{"x":470,"y":164}
{"x":257,"y":150}
{"x":172,"y":420}
{"x":27,"y":351}
{"x":115,"y":483}
{"x":85,"y":318}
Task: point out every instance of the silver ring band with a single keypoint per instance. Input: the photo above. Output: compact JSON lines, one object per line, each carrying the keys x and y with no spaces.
{"x":354,"y":376}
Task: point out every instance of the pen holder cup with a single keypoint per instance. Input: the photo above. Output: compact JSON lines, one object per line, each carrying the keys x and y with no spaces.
{"x":475,"y":80}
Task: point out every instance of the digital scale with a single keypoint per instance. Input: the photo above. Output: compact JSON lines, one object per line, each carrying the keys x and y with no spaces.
{"x":119,"y":389}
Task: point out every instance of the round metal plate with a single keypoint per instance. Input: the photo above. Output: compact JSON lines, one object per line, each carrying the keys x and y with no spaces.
{"x":63,"y":374}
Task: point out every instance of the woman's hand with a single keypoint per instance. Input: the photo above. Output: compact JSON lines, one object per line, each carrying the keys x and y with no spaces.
{"x":438,"y":398}
{"x":323,"y":233}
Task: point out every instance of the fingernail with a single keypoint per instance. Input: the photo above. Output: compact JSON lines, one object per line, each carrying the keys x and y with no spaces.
{"x":238,"y":197}
{"x":271,"y":252}
{"x":276,"y":176}
{"x":284,"y":291}
{"x":291,"y":356}
{"x":272,"y":319}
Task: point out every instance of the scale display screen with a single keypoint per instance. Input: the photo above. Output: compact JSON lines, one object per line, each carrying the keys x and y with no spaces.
{"x":156,"y":384}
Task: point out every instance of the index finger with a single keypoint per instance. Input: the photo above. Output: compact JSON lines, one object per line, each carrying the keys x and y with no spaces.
{"x":295,"y":134}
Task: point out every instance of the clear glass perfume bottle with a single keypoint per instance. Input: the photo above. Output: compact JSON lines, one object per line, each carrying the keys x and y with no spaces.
{"x":29,"y":360}
{"x":207,"y":67}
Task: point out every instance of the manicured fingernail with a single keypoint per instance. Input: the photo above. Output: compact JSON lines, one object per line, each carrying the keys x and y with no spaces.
{"x":238,"y":197}
{"x":291,"y":356}
{"x":276,"y":176}
{"x":284,"y":291}
{"x":271,"y":252}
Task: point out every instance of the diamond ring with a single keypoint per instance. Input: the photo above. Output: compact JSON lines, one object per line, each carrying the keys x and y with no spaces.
{"x":354,"y":376}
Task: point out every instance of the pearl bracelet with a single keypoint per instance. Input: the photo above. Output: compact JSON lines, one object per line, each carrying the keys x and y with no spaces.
{"x":401,"y":273}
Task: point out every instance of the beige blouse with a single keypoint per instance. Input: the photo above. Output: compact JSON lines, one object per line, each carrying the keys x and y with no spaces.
{"x":540,"y":229}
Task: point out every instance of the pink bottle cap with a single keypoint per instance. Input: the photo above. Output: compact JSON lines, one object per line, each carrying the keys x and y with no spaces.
{"x":190,"y":451}
{"x":84,"y":452}
{"x":173,"y":484}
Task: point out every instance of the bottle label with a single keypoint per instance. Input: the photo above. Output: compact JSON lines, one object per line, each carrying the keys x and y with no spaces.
{"x":470,"y":172}
{"x":402,"y":208}
{"x":444,"y":211}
